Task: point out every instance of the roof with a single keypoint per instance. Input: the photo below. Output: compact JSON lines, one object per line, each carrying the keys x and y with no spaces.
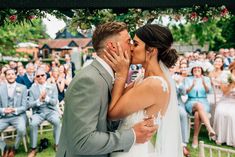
{"x":27,"y":44}
{"x":82,"y":42}
{"x":65,"y":34}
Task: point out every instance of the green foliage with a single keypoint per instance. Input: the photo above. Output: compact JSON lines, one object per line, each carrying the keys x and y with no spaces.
{"x":228,"y":32}
{"x":196,"y":23}
{"x":201,"y":32}
{"x":85,"y":18}
{"x":11,"y":34}
{"x":22,"y":16}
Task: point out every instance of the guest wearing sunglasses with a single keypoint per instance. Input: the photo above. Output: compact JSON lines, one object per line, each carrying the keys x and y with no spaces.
{"x":43,"y":98}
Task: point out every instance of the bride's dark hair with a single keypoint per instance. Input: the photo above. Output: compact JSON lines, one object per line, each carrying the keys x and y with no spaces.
{"x":161,"y":38}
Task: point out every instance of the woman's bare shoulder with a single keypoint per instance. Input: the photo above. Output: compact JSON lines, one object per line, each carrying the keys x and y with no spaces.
{"x":152,"y":84}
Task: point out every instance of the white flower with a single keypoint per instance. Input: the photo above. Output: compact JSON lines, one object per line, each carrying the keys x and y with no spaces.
{"x":18,"y":90}
{"x":49,"y":88}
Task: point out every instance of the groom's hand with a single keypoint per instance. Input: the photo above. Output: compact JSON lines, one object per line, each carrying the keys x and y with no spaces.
{"x":144,"y":130}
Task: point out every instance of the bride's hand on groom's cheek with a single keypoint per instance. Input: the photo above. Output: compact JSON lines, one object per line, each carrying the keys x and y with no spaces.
{"x":119,"y":60}
{"x":145,"y":130}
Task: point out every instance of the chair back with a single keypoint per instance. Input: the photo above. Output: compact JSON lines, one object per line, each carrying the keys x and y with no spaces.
{"x":214,"y":151}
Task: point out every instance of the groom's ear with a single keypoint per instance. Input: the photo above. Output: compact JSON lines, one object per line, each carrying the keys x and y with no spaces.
{"x":111,"y":45}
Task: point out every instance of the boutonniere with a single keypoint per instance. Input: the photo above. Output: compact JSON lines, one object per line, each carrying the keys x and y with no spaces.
{"x":18,"y":90}
{"x":49,"y":88}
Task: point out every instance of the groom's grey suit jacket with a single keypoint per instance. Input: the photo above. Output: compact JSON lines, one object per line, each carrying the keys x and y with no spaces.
{"x":85,"y":128}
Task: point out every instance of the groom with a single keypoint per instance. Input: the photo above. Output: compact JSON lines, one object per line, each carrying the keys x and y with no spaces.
{"x":86,"y":131}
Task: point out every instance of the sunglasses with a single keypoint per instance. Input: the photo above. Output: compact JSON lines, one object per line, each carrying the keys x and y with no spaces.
{"x":40,"y":75}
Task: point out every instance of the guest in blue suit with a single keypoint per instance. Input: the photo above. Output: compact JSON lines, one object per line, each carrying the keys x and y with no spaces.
{"x":13,"y":104}
{"x":43,"y":99}
{"x":28,"y":78}
{"x":196,"y":87}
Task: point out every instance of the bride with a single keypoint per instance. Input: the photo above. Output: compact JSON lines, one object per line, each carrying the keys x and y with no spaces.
{"x":154,"y":94}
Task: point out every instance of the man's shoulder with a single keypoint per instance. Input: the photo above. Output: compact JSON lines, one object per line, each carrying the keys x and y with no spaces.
{"x":21,"y":86}
{"x":34,"y":85}
{"x":1,"y":86}
{"x":88,"y":71}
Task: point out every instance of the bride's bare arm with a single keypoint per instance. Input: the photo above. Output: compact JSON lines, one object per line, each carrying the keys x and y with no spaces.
{"x":128,"y":87}
{"x":136,"y":98}
{"x":144,"y":95}
{"x":120,"y":62}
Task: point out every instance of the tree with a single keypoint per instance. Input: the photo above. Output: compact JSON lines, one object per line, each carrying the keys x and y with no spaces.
{"x":12,"y":33}
{"x":201,"y":32}
{"x":198,"y":23}
{"x":228,"y":32}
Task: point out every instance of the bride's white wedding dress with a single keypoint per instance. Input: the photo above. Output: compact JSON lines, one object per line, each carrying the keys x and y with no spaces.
{"x":168,"y":142}
{"x":137,"y":150}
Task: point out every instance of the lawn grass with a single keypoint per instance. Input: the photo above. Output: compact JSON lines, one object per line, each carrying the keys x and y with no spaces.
{"x":49,"y":152}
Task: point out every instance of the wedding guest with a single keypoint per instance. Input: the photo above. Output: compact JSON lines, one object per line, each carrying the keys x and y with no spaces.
{"x":13,"y":65}
{"x":64,"y":74}
{"x":43,"y":99}
{"x":28,"y":78}
{"x":227,"y":58}
{"x":20,"y":70}
{"x":197,"y":87}
{"x":207,"y":66}
{"x":13,"y":104}
{"x":224,"y":119}
{"x":2,"y":76}
{"x":232,"y":54}
{"x":218,"y":76}
{"x":69,"y":66}
{"x":182,"y":110}
{"x":59,"y":82}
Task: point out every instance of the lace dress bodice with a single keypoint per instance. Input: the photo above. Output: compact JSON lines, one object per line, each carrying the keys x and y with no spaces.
{"x":138,"y":116}
{"x":139,"y":150}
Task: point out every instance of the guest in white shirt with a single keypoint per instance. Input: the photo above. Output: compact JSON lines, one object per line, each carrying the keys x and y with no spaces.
{"x":13,"y":104}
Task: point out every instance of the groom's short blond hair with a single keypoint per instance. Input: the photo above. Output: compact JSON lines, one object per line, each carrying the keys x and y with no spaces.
{"x":104,"y":31}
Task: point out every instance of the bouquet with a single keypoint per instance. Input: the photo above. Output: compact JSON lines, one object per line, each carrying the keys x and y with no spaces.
{"x":231,"y":78}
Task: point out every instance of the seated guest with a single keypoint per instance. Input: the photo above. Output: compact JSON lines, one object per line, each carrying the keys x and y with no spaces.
{"x":47,"y":69}
{"x":28,"y":78}
{"x":13,"y":104}
{"x":59,"y":82}
{"x":63,"y":73}
{"x":69,"y":66}
{"x":43,"y":99}
{"x":196,"y":87}
{"x":2,"y":73}
{"x":183,"y":113}
{"x":218,"y":75}
{"x":224,"y":119}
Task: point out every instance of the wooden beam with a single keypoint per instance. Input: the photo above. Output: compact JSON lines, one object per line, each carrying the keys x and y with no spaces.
{"x":117,"y":4}
{"x":70,"y":4}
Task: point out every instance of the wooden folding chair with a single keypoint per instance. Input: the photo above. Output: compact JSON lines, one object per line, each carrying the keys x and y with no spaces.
{"x":9,"y":132}
{"x":215,"y":151}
